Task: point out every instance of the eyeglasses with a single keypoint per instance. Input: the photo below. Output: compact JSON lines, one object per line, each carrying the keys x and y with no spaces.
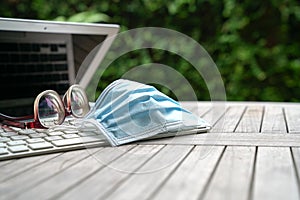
{"x":51,"y":110}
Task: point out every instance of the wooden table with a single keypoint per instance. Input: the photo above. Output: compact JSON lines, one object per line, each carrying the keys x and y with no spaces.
{"x":252,"y":152}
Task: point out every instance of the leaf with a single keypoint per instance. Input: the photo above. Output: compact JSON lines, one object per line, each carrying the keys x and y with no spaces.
{"x":89,"y":16}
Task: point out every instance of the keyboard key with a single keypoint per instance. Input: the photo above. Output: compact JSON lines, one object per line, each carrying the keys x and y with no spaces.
{"x":38,"y":135}
{"x":54,"y":47}
{"x":68,"y":136}
{"x":35,"y":47}
{"x":35,"y":57}
{"x":8,"y":134}
{"x":57,"y":57}
{"x":70,"y":131}
{"x":3,"y":151}
{"x":53,"y":133}
{"x":4,"y":139}
{"x":60,"y":67}
{"x":2,"y":145}
{"x":27,"y":131}
{"x":41,"y":145}
{"x":25,"y":47}
{"x":51,"y":138}
{"x":84,"y":134}
{"x":41,"y":130}
{"x":74,"y":141}
{"x":89,"y":128}
{"x":44,"y":57}
{"x":20,"y":148}
{"x":35,"y":140}
{"x":62,"y":128}
{"x":19,"y":137}
{"x":14,"y":129}
{"x":8,"y":129}
{"x":16,"y":142}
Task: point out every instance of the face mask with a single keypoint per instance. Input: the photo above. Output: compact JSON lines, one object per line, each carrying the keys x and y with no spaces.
{"x":128,"y":111}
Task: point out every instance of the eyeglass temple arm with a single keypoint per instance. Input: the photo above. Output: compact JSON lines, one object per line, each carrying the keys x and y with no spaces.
{"x":2,"y":116}
{"x":14,"y":121}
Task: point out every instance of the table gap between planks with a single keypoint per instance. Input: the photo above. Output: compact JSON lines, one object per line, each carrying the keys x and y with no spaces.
{"x":251,"y":152}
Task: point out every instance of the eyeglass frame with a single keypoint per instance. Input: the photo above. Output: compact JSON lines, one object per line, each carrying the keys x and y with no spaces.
{"x":66,"y":111}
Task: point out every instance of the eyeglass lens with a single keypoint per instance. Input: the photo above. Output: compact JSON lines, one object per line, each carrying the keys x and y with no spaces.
{"x":49,"y":110}
{"x":78,"y":103}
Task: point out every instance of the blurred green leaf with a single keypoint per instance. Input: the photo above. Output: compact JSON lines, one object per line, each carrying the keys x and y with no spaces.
{"x":87,"y":16}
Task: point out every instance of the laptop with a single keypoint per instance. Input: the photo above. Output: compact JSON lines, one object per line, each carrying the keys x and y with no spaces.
{"x":36,"y":55}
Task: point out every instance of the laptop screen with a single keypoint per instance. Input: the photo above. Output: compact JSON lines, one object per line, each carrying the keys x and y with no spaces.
{"x":40,"y":55}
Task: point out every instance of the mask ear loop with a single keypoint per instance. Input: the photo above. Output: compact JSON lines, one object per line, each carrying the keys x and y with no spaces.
{"x":85,"y":124}
{"x":78,"y":124}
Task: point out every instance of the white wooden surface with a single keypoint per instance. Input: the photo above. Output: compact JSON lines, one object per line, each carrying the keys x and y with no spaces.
{"x":252,"y":152}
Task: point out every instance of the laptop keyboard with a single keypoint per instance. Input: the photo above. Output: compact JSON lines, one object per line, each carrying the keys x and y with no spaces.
{"x":33,"y":65}
{"x":15,"y":142}
{"x":28,"y":68}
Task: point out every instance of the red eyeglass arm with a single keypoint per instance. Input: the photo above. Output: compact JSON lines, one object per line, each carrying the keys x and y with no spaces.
{"x":15,"y":121}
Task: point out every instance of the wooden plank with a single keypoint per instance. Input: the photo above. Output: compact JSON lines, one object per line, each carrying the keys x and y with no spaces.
{"x":251,"y":120}
{"x":215,"y":113}
{"x":72,"y":175}
{"x":296,"y":157}
{"x":233,"y":176}
{"x":230,"y":119}
{"x":275,"y":176}
{"x":41,"y":172}
{"x":293,"y":118}
{"x":197,"y":108}
{"x":255,"y":103}
{"x":23,"y":165}
{"x":273,"y":121}
{"x":5,"y":162}
{"x":116,"y":172}
{"x":190,"y":179}
{"x":233,"y":139}
{"x":148,"y":178}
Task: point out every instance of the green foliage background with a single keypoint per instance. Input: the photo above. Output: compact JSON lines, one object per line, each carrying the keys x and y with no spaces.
{"x":255,"y":44}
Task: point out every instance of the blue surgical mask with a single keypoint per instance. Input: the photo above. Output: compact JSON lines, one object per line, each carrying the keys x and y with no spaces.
{"x":127,"y":111}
